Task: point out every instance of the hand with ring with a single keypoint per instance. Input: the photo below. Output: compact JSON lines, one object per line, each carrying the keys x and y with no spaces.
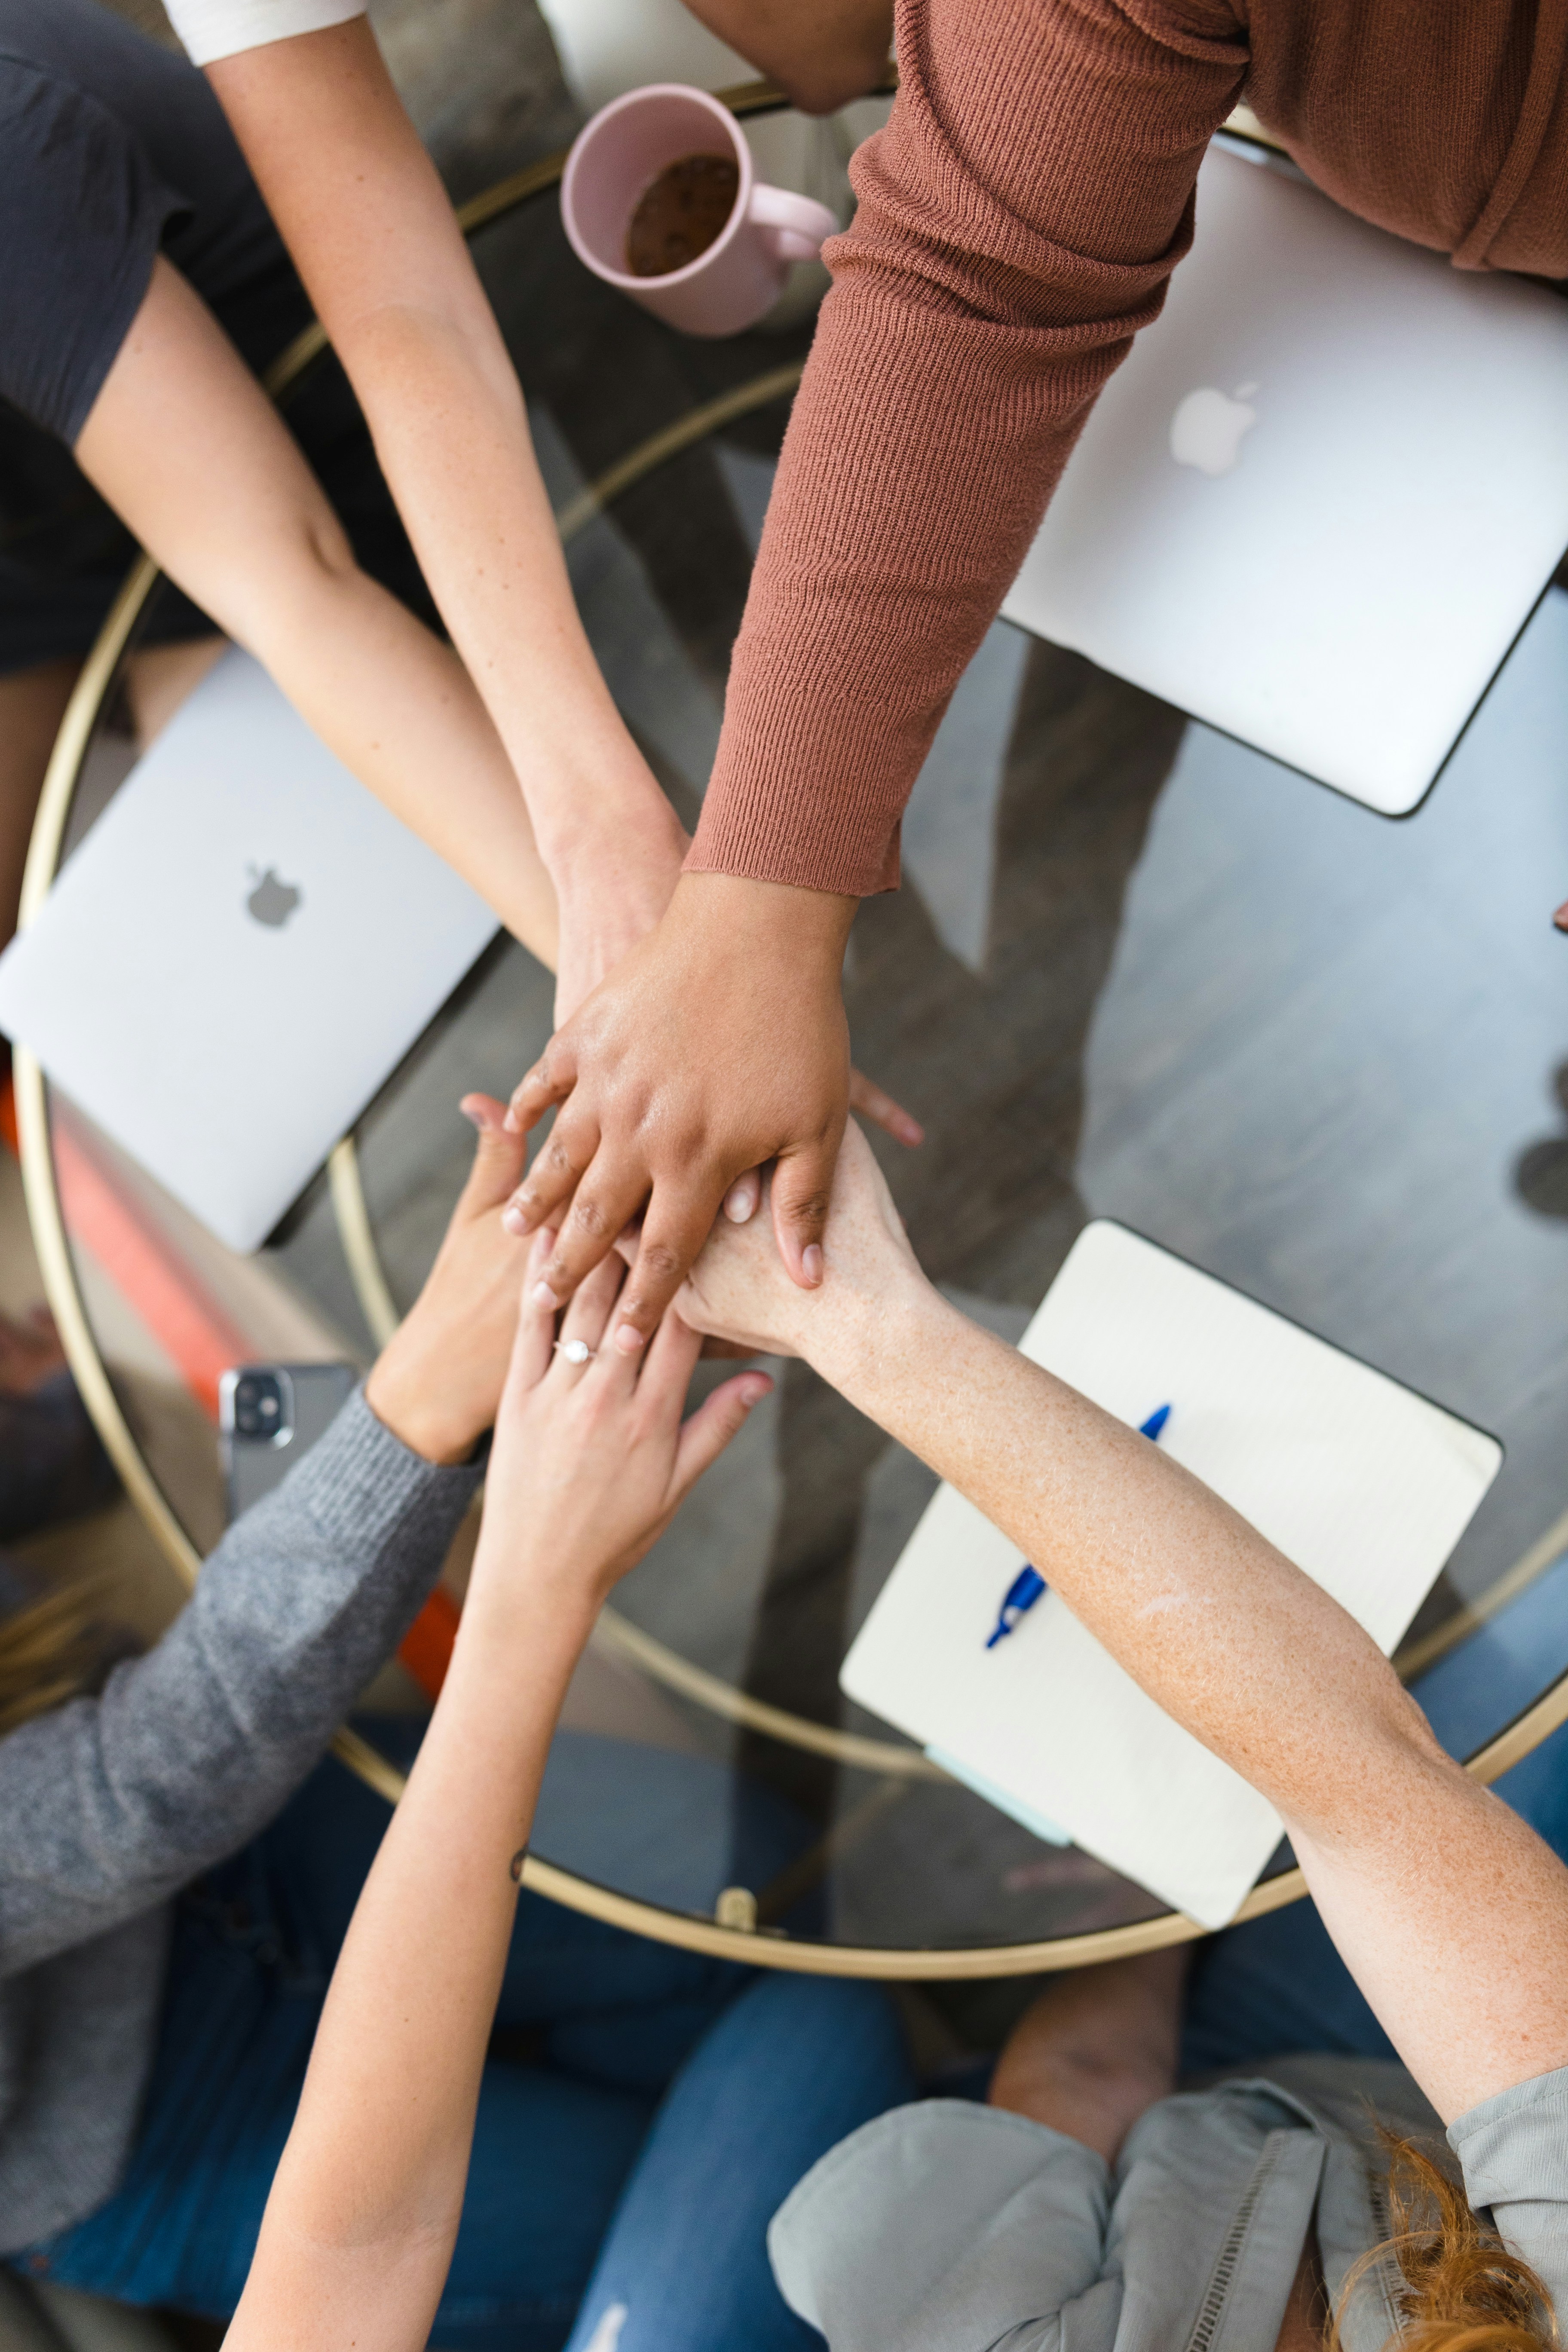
{"x":591,"y":1459}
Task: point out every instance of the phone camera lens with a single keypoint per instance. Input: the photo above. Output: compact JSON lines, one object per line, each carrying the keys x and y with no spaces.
{"x":258,"y":1405}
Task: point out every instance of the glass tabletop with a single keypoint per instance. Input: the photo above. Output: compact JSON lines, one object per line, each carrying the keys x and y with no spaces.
{"x":1136,"y":971}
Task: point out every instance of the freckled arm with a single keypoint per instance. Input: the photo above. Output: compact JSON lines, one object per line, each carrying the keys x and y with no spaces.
{"x":1451,"y":1913}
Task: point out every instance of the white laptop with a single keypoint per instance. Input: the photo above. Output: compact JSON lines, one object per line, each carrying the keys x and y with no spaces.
{"x":1322,"y":495}
{"x":240,"y":952}
{"x":1365,"y":1484}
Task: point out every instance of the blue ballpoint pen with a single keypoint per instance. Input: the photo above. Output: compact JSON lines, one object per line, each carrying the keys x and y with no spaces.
{"x":1028,"y":1584}
{"x":1022,"y":1593}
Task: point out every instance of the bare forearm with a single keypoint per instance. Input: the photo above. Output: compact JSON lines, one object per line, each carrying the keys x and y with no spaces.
{"x":413,"y":1999}
{"x":187,"y":449}
{"x":400,"y":711}
{"x":377,"y":242}
{"x":1422,"y":1876}
{"x":452,"y":437}
{"x":1191,"y":1600}
{"x":367,"y":2197}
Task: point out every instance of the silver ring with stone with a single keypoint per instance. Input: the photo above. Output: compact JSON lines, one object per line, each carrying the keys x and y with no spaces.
{"x":577,"y":1352}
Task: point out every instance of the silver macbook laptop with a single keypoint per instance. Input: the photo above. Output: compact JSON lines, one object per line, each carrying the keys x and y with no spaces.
{"x":237,"y":956}
{"x":1321,"y":498}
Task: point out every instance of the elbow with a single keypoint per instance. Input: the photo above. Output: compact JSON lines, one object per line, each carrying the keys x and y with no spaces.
{"x":1382,"y":1763}
{"x":819,"y":94}
{"x":822,"y":85}
{"x":291,"y":582}
{"x":325,"y":549}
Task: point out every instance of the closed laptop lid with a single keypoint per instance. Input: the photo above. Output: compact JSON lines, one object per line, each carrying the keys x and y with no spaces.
{"x":1322,"y":496}
{"x":239,"y":953}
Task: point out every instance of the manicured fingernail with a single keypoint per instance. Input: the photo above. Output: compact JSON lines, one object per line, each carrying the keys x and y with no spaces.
{"x":516,"y":1220}
{"x":811,"y":1264}
{"x":474,"y":1118}
{"x":512,"y":1122}
{"x":543,"y":1296}
{"x":739,"y":1205}
{"x":755,"y":1392}
{"x":629,"y":1339}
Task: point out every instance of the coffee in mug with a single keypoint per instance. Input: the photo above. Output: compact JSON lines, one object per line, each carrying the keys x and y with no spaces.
{"x":659,"y":198}
{"x":678,"y":217}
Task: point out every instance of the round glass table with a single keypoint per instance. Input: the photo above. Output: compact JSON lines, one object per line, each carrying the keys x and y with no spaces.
{"x":1134,"y":969}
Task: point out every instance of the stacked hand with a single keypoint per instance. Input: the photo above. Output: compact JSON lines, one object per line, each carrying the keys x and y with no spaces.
{"x":591,"y":1458}
{"x":740,"y":1290}
{"x":438,"y":1381}
{"x":719,"y":1044}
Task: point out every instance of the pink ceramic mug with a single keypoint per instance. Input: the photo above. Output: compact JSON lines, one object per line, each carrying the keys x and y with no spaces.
{"x":616,"y":159}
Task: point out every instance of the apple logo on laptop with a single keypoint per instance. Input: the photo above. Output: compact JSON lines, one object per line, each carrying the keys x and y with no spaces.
{"x":272,"y":901}
{"x":1207,"y":429}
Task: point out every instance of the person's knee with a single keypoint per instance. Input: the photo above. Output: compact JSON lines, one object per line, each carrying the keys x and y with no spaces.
{"x":852,"y":2031}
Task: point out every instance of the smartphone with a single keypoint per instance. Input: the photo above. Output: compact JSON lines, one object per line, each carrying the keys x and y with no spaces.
{"x":268,"y":1415}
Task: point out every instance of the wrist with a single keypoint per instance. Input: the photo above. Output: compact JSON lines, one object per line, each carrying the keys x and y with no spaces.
{"x":605,"y":836}
{"x":513,"y":1660}
{"x":547,"y":1602}
{"x":406,"y":1398}
{"x":864,"y":1335}
{"x":808,"y":928}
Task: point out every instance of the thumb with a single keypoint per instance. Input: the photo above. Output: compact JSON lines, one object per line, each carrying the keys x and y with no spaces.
{"x":801,"y":1189}
{"x":551,"y":1080}
{"x":704,"y":1437}
{"x":499,"y":1158}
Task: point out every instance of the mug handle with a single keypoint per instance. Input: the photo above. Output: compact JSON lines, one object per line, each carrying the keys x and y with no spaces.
{"x":793,"y":227}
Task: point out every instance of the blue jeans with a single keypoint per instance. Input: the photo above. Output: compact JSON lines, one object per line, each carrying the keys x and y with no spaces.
{"x":1277,"y":1984}
{"x":663,"y":2107}
{"x":796,"y":2065}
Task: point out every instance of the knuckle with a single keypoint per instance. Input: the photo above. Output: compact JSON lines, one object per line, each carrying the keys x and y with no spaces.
{"x":589,"y":1218}
{"x":809,"y":1209}
{"x":659,"y":1262}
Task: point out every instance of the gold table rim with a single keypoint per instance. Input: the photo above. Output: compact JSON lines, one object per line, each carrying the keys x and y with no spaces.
{"x":685,"y":1930}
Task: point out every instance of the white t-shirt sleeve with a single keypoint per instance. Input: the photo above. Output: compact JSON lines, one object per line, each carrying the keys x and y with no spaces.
{"x":221,"y":28}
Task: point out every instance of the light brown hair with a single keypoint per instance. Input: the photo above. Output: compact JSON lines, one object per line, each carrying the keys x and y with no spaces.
{"x":1463,"y":2292}
{"x":50,"y":1651}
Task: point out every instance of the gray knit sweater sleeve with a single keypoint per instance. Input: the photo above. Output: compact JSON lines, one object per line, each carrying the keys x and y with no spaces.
{"x":111,"y":1805}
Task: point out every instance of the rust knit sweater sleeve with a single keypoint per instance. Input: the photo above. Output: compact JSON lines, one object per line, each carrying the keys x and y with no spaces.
{"x":1018,"y":219}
